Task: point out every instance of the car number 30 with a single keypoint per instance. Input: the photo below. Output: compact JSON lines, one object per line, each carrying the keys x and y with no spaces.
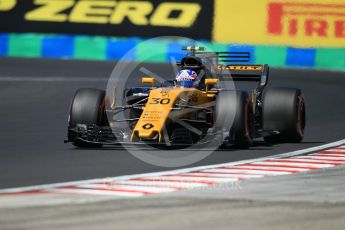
{"x":162,"y":101}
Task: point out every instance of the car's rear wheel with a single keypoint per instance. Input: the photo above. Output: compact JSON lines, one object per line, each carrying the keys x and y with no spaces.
{"x":284,"y":113}
{"x":242,"y":129}
{"x":234,"y":113}
{"x":87,"y":108}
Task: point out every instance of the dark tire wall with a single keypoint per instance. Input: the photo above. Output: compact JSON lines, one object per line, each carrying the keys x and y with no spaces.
{"x":87,"y":108}
{"x":242,"y":129}
{"x":234,"y":113}
{"x":284,"y":111}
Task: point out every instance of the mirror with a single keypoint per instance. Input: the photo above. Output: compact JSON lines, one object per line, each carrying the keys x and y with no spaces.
{"x":148,"y":81}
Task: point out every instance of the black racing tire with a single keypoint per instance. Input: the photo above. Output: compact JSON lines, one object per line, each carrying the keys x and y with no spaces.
{"x":242,"y":129}
{"x":234,"y":113}
{"x":88,"y":107}
{"x":284,"y":111}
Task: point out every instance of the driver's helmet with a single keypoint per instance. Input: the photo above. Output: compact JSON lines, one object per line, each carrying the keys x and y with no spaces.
{"x":186,"y":78}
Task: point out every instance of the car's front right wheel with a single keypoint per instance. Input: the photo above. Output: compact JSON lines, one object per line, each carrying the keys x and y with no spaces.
{"x":87,"y":108}
{"x":234,"y":113}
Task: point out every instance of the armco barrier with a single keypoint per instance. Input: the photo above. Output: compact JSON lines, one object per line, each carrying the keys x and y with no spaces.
{"x":114,"y":48}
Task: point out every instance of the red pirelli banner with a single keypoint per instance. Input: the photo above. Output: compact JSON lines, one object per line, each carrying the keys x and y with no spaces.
{"x":300,"y":23}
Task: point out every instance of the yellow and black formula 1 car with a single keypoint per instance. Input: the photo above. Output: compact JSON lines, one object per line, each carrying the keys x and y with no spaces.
{"x":205,"y":109}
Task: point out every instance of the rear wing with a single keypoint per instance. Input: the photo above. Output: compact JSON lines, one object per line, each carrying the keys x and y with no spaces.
{"x":231,"y":65}
{"x":258,"y":73}
{"x":238,"y":72}
{"x":227,"y":57}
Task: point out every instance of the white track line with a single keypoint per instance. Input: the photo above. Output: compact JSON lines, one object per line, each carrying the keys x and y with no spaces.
{"x":179,"y":171}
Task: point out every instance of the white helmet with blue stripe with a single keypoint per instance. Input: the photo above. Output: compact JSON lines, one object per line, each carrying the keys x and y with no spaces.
{"x":186,"y":78}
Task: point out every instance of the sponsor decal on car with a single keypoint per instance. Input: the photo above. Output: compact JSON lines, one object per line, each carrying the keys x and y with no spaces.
{"x":241,"y":67}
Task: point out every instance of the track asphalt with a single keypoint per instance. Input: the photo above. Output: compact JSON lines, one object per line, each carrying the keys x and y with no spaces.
{"x":35,"y":96}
